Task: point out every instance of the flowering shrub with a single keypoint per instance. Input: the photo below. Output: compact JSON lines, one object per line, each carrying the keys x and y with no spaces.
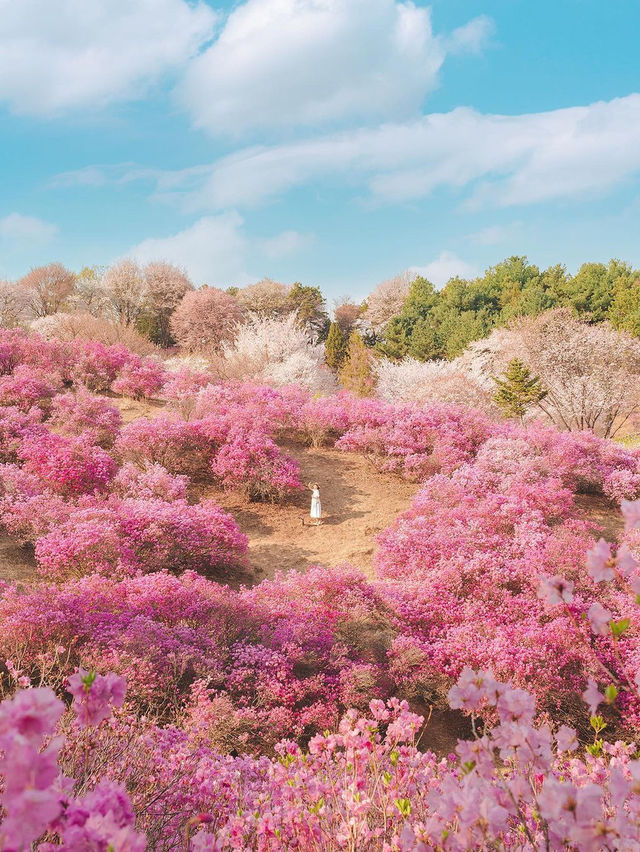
{"x":279,"y":660}
{"x":15,"y":425}
{"x":84,"y":413}
{"x":67,"y":465}
{"x":27,"y":388}
{"x":177,"y":445}
{"x":139,"y":378}
{"x":153,"y":482}
{"x":416,"y":443}
{"x":255,"y":463}
{"x":142,"y":535}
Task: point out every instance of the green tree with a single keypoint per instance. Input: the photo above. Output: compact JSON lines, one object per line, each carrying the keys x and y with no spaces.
{"x":357,"y":373}
{"x":424,"y":343}
{"x":517,"y":390}
{"x":309,"y":304}
{"x":336,"y":348}
{"x":395,"y":344}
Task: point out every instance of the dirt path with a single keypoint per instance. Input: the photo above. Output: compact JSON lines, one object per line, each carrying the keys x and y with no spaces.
{"x":357,"y":504}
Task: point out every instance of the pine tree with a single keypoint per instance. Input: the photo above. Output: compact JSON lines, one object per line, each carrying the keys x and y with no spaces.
{"x":423,"y":342}
{"x":395,"y":343}
{"x":357,"y":373}
{"x":336,"y":349}
{"x":517,"y":390}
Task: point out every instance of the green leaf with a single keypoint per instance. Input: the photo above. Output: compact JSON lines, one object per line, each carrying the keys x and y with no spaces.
{"x":619,"y":627}
{"x":598,"y":724}
{"x":610,"y":693}
{"x":404,"y":806}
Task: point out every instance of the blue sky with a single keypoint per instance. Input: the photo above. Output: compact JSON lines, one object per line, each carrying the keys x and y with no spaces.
{"x":335,"y":142}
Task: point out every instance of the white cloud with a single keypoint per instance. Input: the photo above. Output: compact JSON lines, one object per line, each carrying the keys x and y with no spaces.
{"x":69,"y":54}
{"x":472,"y":37}
{"x":447,"y":265}
{"x":212,"y":250}
{"x":284,"y":244}
{"x":216,"y":250}
{"x":19,"y":232}
{"x":486,"y":159}
{"x":493,"y":235}
{"x":291,"y":63}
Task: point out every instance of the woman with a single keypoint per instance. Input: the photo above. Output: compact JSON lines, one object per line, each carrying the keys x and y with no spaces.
{"x":316,"y":505}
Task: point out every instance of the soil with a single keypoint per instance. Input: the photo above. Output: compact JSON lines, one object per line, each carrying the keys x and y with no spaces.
{"x":606,"y":518}
{"x":357,"y":504}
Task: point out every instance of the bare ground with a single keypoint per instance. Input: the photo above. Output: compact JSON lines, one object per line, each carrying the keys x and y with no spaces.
{"x":357,"y":504}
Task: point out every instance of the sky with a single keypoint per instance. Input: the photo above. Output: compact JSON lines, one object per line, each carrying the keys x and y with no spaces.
{"x":332,"y":142}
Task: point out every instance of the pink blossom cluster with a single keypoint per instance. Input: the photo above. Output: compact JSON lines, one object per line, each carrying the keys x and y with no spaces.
{"x":84,"y":413}
{"x":365,"y":785}
{"x":238,"y":668}
{"x":37,"y":798}
{"x":32,"y":370}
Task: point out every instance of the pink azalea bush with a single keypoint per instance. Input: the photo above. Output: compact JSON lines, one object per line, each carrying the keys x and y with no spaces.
{"x":85,"y":413}
{"x":255,"y":463}
{"x":27,"y":388}
{"x":131,"y":535}
{"x":67,"y":465}
{"x":179,"y":446}
{"x":140,"y":378}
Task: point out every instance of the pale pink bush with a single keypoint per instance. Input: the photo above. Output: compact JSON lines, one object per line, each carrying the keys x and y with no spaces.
{"x":153,"y":482}
{"x":68,"y":465}
{"x":82,"y":412}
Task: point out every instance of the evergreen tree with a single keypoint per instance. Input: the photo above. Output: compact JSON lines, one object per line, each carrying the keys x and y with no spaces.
{"x":517,"y":390}
{"x":336,"y":349}
{"x":309,"y":304}
{"x":357,"y":373}
{"x":395,"y":344}
{"x":424,"y":343}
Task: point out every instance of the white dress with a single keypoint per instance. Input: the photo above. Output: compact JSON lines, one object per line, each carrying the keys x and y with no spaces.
{"x":316,"y":505}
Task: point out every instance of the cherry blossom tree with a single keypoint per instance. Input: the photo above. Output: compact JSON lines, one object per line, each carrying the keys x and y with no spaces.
{"x":387,"y":300}
{"x":13,"y":304}
{"x":47,"y":288}
{"x":276,"y":352}
{"x":425,"y":382}
{"x":205,"y":319}
{"x":165,"y":287}
{"x":267,"y":299}
{"x":591,"y":372}
{"x":125,"y":286}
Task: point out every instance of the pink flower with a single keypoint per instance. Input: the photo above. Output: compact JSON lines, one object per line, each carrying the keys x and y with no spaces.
{"x":471,"y":690}
{"x":626,"y":561}
{"x":592,"y":696}
{"x":31,"y":713}
{"x":600,"y":562}
{"x":555,"y":590}
{"x":95,"y":696}
{"x":599,"y":619}
{"x":631,"y":511}
{"x":566,"y":738}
